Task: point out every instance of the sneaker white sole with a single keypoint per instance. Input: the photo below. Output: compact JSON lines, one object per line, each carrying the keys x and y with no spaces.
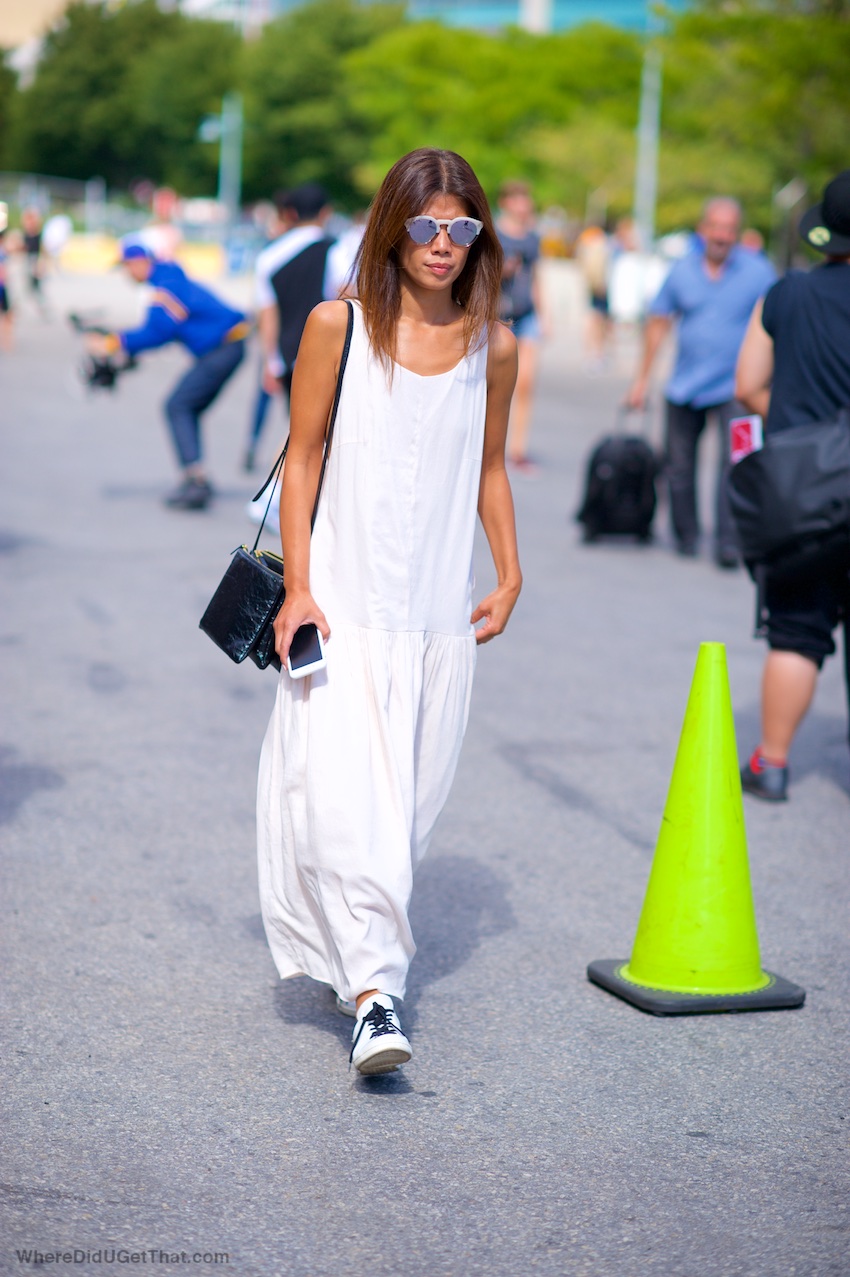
{"x":346,"y":1008}
{"x":384,"y":1059}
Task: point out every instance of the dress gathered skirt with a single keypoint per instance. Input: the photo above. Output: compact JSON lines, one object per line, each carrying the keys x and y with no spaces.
{"x":358,"y":759}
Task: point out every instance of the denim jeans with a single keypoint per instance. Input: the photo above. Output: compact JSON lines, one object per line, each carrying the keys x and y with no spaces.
{"x":685,"y":424}
{"x":194,"y":393}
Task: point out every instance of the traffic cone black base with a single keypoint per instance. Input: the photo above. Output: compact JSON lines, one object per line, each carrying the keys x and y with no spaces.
{"x":779,"y":995}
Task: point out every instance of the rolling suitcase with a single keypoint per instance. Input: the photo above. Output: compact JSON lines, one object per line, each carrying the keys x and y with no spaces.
{"x":619,"y":493}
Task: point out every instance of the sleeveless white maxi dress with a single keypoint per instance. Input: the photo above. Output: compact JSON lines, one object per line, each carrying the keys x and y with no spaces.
{"x":358,"y":759}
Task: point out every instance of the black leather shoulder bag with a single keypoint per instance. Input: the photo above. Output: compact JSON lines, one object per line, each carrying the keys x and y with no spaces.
{"x":240,"y":615}
{"x":792,"y":497}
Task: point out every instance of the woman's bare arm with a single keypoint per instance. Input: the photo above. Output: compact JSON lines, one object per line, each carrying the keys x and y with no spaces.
{"x":540,"y":301}
{"x":495,"y":503}
{"x":313,"y":387}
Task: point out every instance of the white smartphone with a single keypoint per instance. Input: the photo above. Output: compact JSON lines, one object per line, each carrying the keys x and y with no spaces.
{"x":307,"y":653}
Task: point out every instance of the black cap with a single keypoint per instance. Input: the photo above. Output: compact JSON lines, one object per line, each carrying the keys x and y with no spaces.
{"x":826,"y":227}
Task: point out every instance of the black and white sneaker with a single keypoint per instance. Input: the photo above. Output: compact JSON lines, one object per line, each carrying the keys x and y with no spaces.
{"x":378,"y":1044}
{"x":192,"y":494}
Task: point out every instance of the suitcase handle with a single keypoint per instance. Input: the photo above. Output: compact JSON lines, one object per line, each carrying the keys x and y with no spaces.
{"x":625,"y":414}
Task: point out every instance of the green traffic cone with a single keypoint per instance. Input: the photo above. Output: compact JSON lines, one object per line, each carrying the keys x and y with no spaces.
{"x":696,"y":947}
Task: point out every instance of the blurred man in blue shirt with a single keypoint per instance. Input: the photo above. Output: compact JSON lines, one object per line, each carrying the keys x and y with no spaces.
{"x":711,"y":292}
{"x":212,"y":331}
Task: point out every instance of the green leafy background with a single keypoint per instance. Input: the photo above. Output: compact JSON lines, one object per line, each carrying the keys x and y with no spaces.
{"x":754,"y":94}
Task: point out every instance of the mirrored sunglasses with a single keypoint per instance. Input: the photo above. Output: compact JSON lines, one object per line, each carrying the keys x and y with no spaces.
{"x":462,"y":231}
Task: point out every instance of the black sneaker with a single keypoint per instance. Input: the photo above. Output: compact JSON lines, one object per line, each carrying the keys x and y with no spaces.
{"x":765,"y":780}
{"x":378,"y":1044}
{"x":727,"y":558}
{"x":192,"y":494}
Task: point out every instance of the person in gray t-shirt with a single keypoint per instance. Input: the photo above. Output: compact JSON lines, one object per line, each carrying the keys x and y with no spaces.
{"x":520,"y":307}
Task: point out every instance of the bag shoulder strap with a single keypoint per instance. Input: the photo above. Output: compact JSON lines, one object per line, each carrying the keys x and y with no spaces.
{"x":276,"y":469}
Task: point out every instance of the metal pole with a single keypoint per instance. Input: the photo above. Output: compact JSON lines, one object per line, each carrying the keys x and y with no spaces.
{"x":230,"y":156}
{"x":95,"y":204}
{"x":649,"y":121}
{"x":536,"y":16}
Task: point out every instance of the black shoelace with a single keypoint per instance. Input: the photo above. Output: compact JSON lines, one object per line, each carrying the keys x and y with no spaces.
{"x":380,"y":1023}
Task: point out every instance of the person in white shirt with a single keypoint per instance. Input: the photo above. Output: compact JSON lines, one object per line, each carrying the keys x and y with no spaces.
{"x":302,"y":267}
{"x":297,"y":271}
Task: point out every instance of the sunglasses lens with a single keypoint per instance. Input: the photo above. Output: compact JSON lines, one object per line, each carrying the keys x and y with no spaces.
{"x":422,"y":229}
{"x":463,"y":232}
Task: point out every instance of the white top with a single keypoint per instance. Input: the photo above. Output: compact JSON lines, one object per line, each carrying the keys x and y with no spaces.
{"x":392,"y":545}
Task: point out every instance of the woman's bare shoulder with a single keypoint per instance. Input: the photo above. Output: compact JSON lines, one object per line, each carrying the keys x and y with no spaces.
{"x":502,"y":348}
{"x":329,"y":320}
{"x":502,"y":337}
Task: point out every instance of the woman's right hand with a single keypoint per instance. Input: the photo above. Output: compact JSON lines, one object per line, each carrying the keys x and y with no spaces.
{"x":299,"y":608}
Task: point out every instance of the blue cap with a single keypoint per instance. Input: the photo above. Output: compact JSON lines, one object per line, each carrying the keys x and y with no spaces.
{"x":133,"y":248}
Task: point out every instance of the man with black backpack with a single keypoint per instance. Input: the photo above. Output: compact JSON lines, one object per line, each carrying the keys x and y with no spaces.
{"x":794,"y":370}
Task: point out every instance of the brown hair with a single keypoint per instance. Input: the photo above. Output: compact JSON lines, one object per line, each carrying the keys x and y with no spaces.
{"x":408,"y":188}
{"x":507,"y":189}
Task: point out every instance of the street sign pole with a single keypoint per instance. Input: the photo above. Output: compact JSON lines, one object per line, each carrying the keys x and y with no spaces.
{"x":649,"y":122}
{"x":230,"y":156}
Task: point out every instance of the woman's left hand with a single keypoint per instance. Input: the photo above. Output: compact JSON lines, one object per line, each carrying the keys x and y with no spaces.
{"x":495,"y":612}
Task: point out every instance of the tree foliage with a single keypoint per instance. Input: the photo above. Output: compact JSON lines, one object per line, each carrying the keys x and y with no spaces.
{"x":299,"y":125}
{"x":486,"y":96}
{"x":754,"y":94}
{"x":120,"y":94}
{"x":169,"y":96}
{"x":8,"y":88}
{"x":761,"y":96}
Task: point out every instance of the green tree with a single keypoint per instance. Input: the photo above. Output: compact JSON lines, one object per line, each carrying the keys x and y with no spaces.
{"x":751,"y":99}
{"x":488,"y":97}
{"x":591,"y":160}
{"x":807,"y":8}
{"x":299,"y":126}
{"x":335,"y":91}
{"x":119,"y":93}
{"x":170,"y":92}
{"x":8,"y":92}
{"x":73,"y":120}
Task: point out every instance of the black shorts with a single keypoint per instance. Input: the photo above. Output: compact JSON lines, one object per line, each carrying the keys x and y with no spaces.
{"x":804,"y":612}
{"x":5,"y":304}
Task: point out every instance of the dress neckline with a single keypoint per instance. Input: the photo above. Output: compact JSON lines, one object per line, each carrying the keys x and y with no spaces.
{"x":423,"y":376}
{"x":429,"y":376}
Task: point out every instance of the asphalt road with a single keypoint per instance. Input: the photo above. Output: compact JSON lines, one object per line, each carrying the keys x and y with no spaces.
{"x":167,"y":1097}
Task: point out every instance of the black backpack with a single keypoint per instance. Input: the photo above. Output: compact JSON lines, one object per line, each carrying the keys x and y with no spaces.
{"x":619,"y":493}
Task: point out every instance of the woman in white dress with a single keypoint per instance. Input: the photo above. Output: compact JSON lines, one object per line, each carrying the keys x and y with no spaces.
{"x":358,"y":758}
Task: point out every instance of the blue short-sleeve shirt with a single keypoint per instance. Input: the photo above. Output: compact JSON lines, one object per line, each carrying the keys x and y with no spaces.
{"x":713,"y":315}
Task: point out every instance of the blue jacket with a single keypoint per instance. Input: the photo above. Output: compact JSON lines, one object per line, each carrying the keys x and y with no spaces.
{"x":183,"y":311}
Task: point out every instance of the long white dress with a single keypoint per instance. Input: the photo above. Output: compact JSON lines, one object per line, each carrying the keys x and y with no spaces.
{"x":358,"y":759}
